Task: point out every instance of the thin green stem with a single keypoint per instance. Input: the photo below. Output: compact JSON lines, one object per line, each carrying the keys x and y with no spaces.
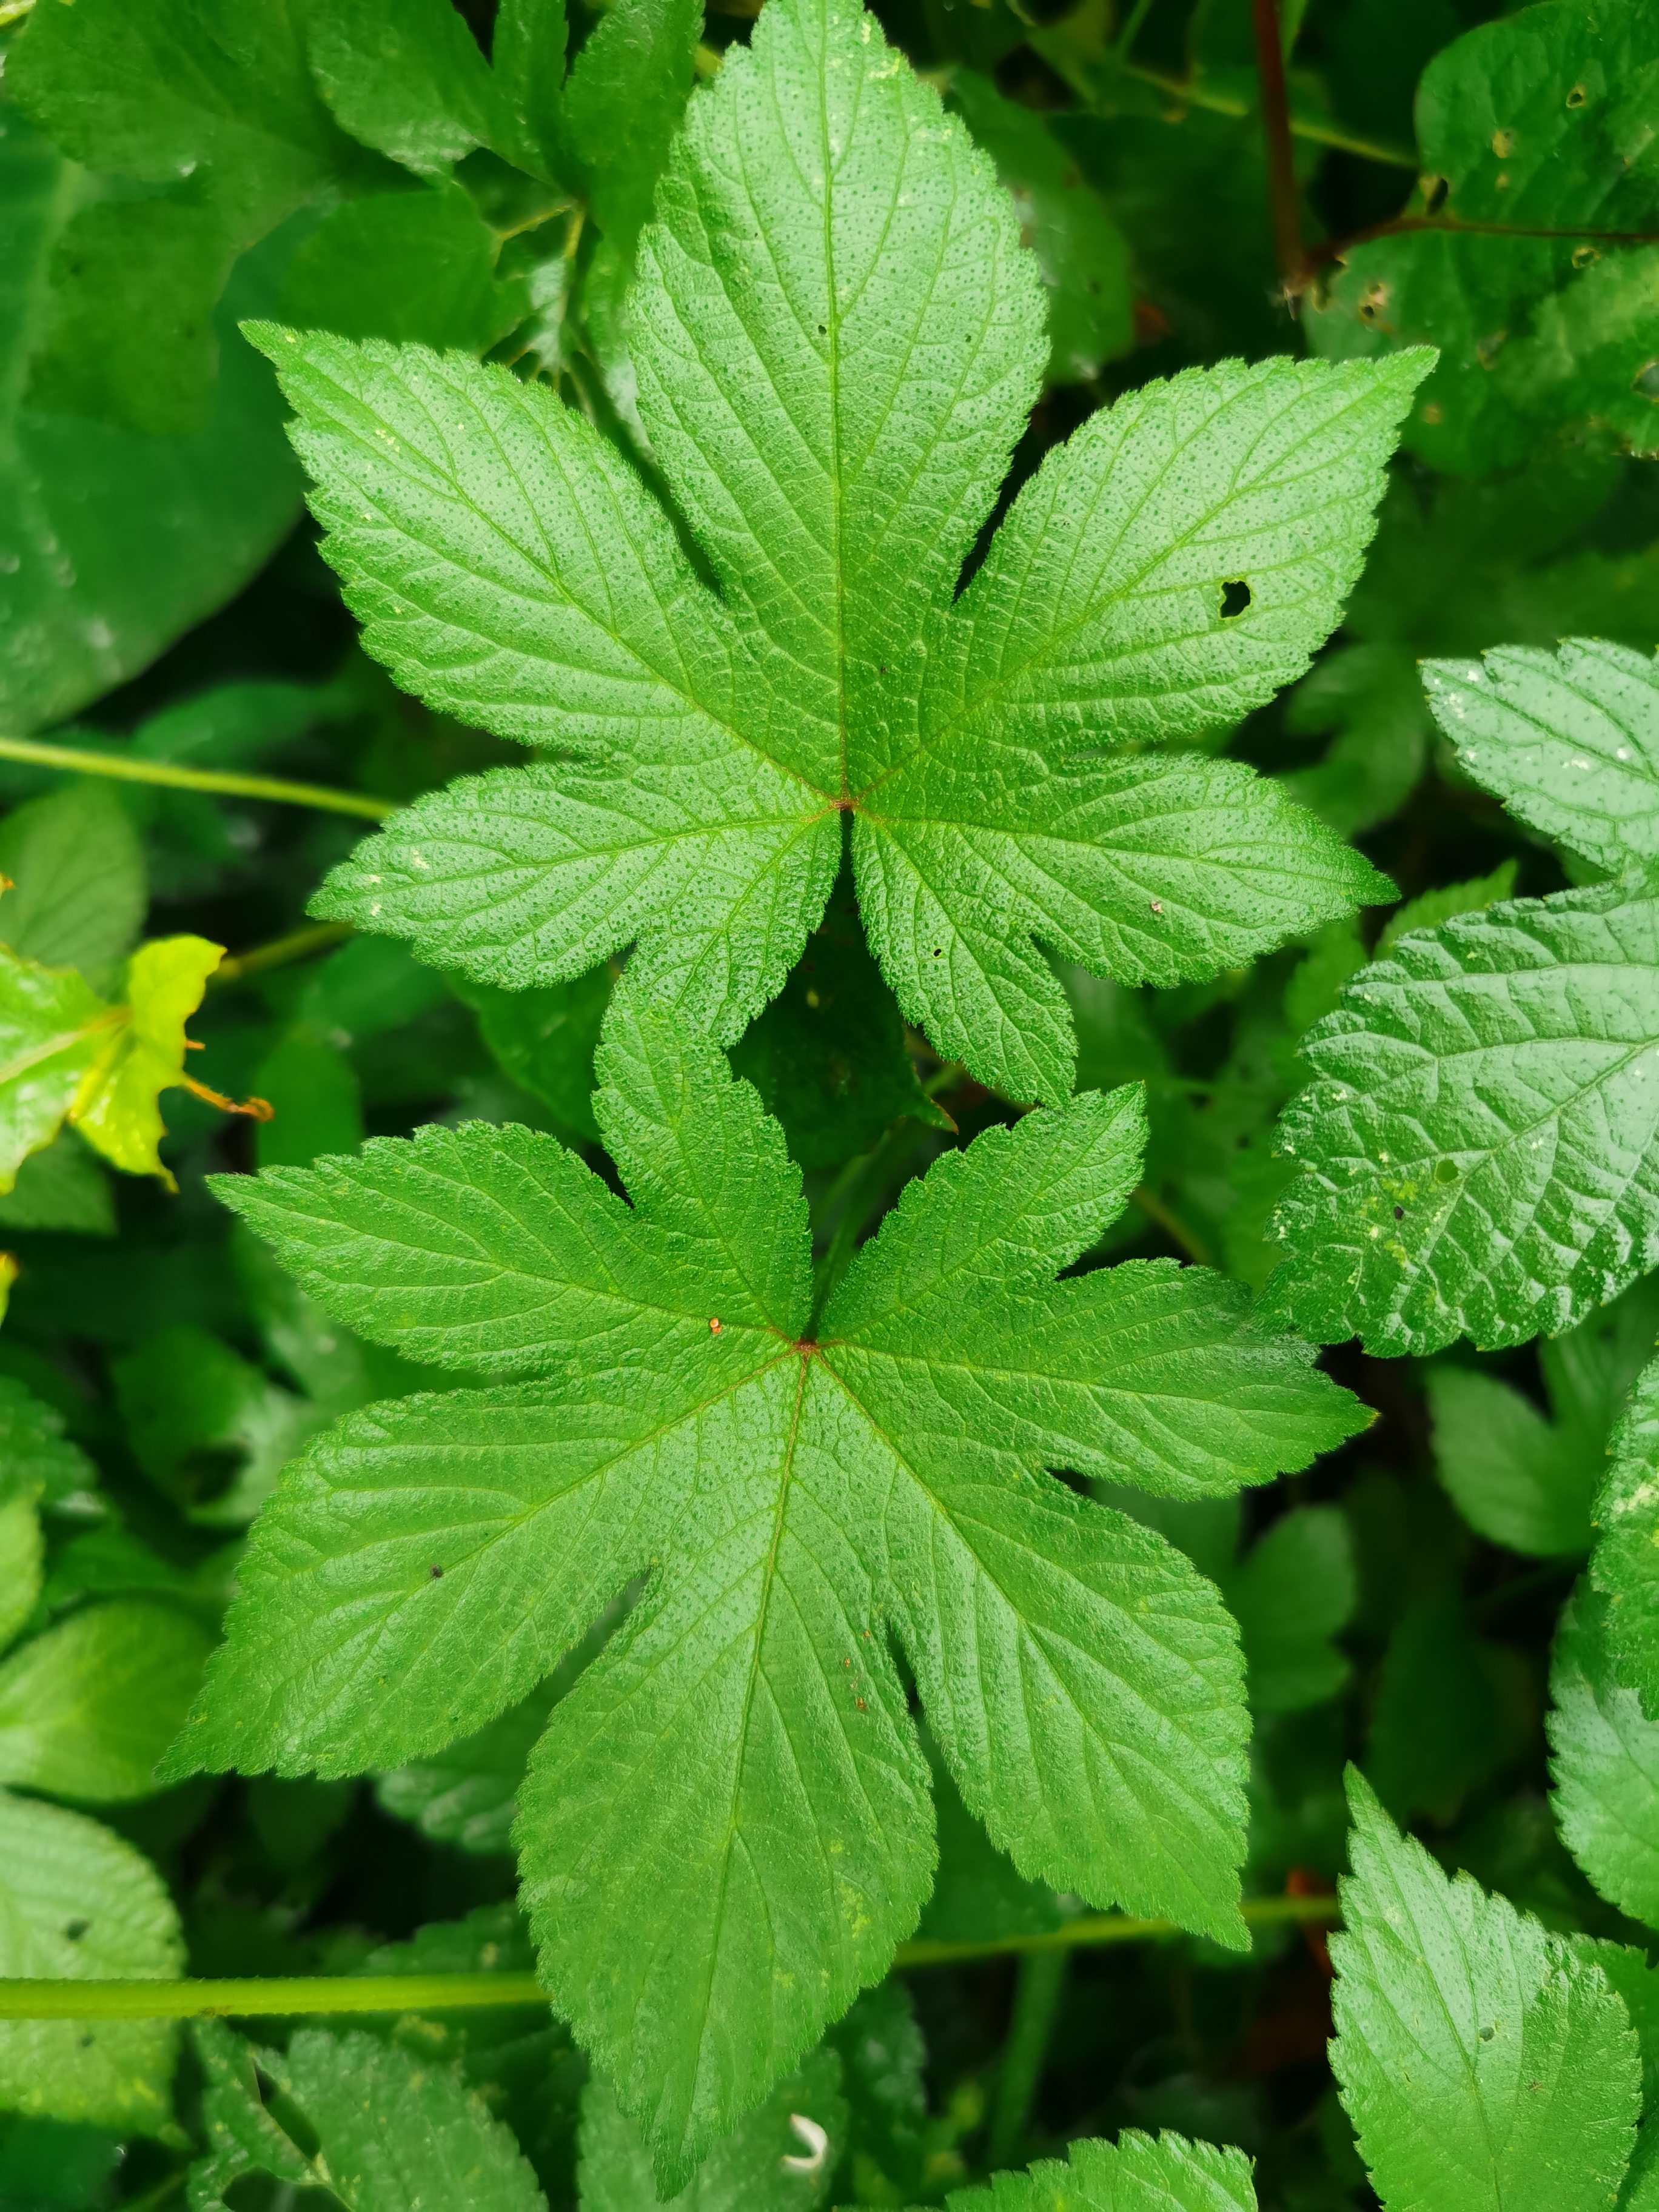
{"x":1126,"y":38}
{"x":298,"y":945}
{"x":125,"y":769}
{"x":1037,"y":2000}
{"x":13,"y":11}
{"x":1068,"y":64}
{"x":264,"y":1999}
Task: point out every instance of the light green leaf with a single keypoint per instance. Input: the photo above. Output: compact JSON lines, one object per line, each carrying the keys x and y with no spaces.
{"x":393,"y":2132}
{"x":400,"y":265}
{"x":1623,"y":1562}
{"x":1477,"y":1148}
{"x":77,"y":1903}
{"x":781,"y":2157}
{"x":75,"y":866}
{"x":1517,"y":1479}
{"x":1137,"y":2173}
{"x":1079,"y":249}
{"x":1606,"y":1764}
{"x":52,"y":1028}
{"x":1483,"y":2064}
{"x":1532,"y":138}
{"x":1569,"y":740}
{"x":406,"y":76}
{"x":22,"y":1558}
{"x":707,"y":742}
{"x":87,"y":1708}
{"x":738,"y":1771}
{"x":115,"y":1107}
{"x":1291,"y":1594}
{"x":113,"y":542}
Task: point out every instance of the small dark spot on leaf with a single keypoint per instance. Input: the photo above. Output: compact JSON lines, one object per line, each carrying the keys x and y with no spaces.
{"x":1235,"y":598}
{"x":938,"y":952}
{"x":1488,"y":2033}
{"x":85,"y":2042}
{"x":1399,"y":1213}
{"x":823,"y":330}
{"x":75,"y":1930}
{"x":436,"y":1573}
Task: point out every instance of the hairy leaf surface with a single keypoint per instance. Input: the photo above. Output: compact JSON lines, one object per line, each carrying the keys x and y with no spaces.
{"x":738,"y":1771}
{"x":1137,"y":2173}
{"x":1569,"y":740}
{"x":1606,"y":1764}
{"x":1483,"y":2063}
{"x":1480,"y":1146}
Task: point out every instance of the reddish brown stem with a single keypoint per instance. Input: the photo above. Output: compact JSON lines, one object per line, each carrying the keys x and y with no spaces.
{"x":1399,"y":226}
{"x":1276,"y":132}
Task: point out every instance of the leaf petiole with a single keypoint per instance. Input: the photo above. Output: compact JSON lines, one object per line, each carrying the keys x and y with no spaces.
{"x":226,"y":785}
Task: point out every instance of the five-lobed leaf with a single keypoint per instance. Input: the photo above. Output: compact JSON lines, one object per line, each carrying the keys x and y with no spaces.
{"x":833,"y":400}
{"x":736,"y":1777}
{"x":1484,"y":2066}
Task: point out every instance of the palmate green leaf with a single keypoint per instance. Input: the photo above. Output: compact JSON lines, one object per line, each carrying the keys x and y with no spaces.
{"x":1483,"y":2064}
{"x":1622,"y":1564}
{"x":1480,"y":1145}
{"x":781,"y":2157}
{"x":738,"y":1772}
{"x":1532,"y":134}
{"x":1569,"y":740}
{"x":78,"y":1903}
{"x":1137,"y":2173}
{"x":833,"y":402}
{"x":374,"y":2126}
{"x":87,"y":1707}
{"x":1605,"y":1763}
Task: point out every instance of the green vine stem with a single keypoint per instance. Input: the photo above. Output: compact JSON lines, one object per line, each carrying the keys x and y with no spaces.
{"x":74,"y":761}
{"x":265,"y":1998}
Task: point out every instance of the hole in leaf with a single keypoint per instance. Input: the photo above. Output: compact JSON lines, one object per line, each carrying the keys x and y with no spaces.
{"x":1235,"y":598}
{"x":1434,"y":190}
{"x":1646,"y":381}
{"x":1578,"y":96}
{"x":1445,"y":1171}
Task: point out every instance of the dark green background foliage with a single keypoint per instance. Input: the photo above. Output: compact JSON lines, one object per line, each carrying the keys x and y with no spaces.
{"x":1378,"y":1053}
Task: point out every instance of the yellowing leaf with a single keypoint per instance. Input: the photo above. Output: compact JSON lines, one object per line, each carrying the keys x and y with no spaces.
{"x":52,"y":1028}
{"x":115,"y":1107}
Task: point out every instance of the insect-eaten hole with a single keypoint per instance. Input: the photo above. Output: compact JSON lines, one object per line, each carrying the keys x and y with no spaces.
{"x":1645,"y":382}
{"x":1235,"y":598}
{"x":1434,"y":191}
